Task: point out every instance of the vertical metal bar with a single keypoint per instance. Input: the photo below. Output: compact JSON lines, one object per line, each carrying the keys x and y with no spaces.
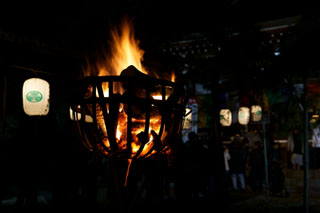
{"x":129,"y":118}
{"x":146,"y":123}
{"x":148,"y":104}
{"x":81,"y":122}
{"x":95,"y":123}
{"x":108,"y":124}
{"x":110,"y":88}
{"x":4,"y":107}
{"x":265,"y":157}
{"x":117,"y":186}
{"x":163,"y":115}
{"x":306,"y":151}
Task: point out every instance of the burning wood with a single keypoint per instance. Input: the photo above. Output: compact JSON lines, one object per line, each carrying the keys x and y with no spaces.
{"x":139,"y":89}
{"x":132,"y":112}
{"x":132,"y":71}
{"x":111,"y":116}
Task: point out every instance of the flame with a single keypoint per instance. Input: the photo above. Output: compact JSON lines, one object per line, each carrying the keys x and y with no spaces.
{"x":155,"y":123}
{"x":173,"y":76}
{"x":124,"y":49}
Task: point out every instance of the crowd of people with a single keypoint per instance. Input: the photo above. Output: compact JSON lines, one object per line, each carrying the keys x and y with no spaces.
{"x":192,"y":174}
{"x":245,"y":164}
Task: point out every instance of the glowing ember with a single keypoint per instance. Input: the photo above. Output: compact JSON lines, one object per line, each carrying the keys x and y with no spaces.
{"x":137,"y":129}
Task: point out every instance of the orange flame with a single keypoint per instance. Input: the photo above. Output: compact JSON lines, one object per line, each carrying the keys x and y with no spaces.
{"x":173,"y":76}
{"x":124,"y":49}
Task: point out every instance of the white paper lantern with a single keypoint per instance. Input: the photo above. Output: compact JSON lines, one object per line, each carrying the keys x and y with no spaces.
{"x":244,"y":115}
{"x":256,"y":112}
{"x":35,"y":95}
{"x":225,"y":117}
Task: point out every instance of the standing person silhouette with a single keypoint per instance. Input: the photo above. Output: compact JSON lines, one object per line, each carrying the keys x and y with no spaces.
{"x":194,"y":165}
{"x":226,"y":165}
{"x":257,"y":166}
{"x":316,"y":147}
{"x":237,"y":164}
{"x":295,"y":146}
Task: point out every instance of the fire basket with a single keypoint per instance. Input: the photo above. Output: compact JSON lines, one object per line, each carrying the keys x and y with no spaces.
{"x":130,"y":116}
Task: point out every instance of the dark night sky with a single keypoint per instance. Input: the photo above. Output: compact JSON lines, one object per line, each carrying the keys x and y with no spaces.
{"x":87,"y":22}
{"x":84,"y":26}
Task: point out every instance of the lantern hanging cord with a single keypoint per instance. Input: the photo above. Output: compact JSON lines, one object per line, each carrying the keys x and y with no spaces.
{"x":35,"y":71}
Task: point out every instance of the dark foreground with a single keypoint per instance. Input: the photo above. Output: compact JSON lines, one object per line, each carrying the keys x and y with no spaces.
{"x":238,"y":202}
{"x":249,"y":201}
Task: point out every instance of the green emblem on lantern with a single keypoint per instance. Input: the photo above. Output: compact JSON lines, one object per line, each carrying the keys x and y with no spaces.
{"x":34,"y":96}
{"x":258,"y":112}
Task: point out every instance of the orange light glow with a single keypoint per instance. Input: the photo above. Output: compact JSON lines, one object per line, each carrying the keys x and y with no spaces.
{"x":173,"y":77}
{"x":159,"y":97}
{"x":124,"y":51}
{"x":121,"y":135}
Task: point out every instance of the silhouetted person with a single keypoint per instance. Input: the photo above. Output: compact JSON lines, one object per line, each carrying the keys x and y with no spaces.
{"x":237,"y":163}
{"x":276,"y":152}
{"x":295,"y":146}
{"x":155,"y":179}
{"x":30,"y":159}
{"x":194,"y":157}
{"x":256,"y":166}
{"x":227,"y":157}
{"x":277,"y":179}
{"x":179,"y":168}
{"x":89,"y":181}
{"x":316,"y":147}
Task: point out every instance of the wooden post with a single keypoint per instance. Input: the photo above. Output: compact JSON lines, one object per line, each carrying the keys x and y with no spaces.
{"x":216,"y":149}
{"x":266,"y":164}
{"x":114,"y":163}
{"x":265,"y":157}
{"x":4,"y":107}
{"x":306,"y":150}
